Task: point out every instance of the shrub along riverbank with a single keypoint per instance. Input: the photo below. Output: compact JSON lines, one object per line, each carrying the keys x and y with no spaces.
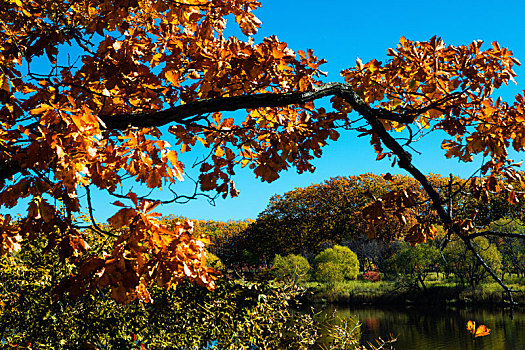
{"x":391,"y":292}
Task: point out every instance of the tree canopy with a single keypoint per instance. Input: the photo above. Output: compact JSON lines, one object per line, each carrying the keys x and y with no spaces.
{"x":71,"y":124}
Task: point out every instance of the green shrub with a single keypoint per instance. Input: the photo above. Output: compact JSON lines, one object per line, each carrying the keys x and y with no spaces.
{"x":236,"y":315}
{"x":328,"y":273}
{"x":336,"y":264}
{"x":291,"y":268}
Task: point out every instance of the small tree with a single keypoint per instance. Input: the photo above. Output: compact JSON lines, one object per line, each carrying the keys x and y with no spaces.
{"x":466,"y":267}
{"x":291,"y":268}
{"x":512,"y":249}
{"x":413,"y":264}
{"x":336,"y":264}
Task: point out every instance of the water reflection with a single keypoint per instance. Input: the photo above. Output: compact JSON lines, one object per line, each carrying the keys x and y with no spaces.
{"x":439,"y":328}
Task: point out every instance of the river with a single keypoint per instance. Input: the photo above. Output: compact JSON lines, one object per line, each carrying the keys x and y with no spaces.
{"x":444,"y":328}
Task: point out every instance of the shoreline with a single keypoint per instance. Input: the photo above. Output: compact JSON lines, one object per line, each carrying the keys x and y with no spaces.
{"x":433,"y":295}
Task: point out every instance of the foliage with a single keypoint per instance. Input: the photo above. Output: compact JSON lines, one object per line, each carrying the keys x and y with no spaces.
{"x":512,"y":249}
{"x":304,"y":220}
{"x":328,"y":273}
{"x":343,"y":333}
{"x":336,"y":264}
{"x":372,"y":276}
{"x":226,"y":239}
{"x":213,"y":261}
{"x":291,"y":268}
{"x":236,"y":315}
{"x":91,"y":121}
{"x":111,"y":73}
{"x":466,"y":267}
{"x":413,"y":264}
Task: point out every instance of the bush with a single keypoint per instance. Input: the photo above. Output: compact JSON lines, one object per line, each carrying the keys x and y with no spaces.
{"x":291,"y":268}
{"x":328,"y":273}
{"x":236,"y":315}
{"x":372,"y":276}
{"x":336,"y":264}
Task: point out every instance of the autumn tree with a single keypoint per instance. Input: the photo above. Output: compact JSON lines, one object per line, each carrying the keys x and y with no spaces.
{"x":226,"y":239}
{"x":307,"y":219}
{"x":92,"y":120}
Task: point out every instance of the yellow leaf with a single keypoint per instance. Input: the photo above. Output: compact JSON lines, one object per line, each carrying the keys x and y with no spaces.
{"x":359,"y":63}
{"x":219,"y":152}
{"x":471,"y":326}
{"x":4,"y":83}
{"x":173,"y":77}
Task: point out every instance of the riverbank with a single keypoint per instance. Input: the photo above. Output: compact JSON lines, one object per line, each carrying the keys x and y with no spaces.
{"x":392,"y":293}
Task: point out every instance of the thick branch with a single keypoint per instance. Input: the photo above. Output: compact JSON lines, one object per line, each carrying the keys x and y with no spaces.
{"x":182,"y":113}
{"x":469,"y":245}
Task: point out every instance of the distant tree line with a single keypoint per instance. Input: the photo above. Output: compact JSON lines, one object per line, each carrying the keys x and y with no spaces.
{"x":306,"y":221}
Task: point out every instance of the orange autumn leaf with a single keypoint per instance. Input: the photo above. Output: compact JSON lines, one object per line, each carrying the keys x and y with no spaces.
{"x":172,"y":77}
{"x":480,"y":331}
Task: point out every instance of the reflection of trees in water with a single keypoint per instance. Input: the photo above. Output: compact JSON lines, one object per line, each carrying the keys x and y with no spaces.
{"x":421,"y":328}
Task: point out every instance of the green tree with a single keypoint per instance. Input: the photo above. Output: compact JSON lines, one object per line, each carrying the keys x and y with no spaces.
{"x":412,"y":264}
{"x":291,"y":268}
{"x":466,"y":267}
{"x":336,"y":264}
{"x":512,"y":249}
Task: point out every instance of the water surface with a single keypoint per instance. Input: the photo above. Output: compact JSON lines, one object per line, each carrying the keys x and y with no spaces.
{"x":443,"y":328}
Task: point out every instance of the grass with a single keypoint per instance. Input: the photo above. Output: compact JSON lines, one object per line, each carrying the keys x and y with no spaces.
{"x":393,"y":292}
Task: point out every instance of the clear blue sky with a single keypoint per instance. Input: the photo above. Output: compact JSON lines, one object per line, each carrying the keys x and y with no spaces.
{"x":339,"y":31}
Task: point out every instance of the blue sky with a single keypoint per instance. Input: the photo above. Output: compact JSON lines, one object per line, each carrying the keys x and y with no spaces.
{"x":340,"y":31}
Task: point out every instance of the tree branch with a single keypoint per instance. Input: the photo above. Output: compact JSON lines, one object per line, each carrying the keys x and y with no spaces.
{"x":180,"y":114}
{"x":405,"y":162}
{"x":497,"y":234}
{"x":196,"y":110}
{"x":469,"y":245}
